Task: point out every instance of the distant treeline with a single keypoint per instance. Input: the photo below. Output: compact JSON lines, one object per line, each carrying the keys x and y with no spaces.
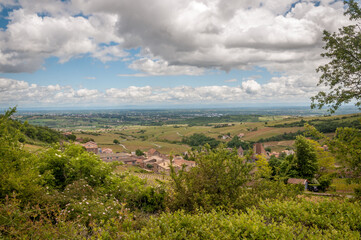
{"x":206,"y":121}
{"x":282,"y":137}
{"x":324,"y":125}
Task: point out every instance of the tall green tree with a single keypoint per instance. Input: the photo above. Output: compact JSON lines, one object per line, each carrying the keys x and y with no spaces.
{"x":218,"y":179}
{"x":343,"y":73}
{"x":305,"y":160}
{"x":345,"y":146}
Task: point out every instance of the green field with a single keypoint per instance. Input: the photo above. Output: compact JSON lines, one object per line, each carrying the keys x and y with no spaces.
{"x":167,"y":138}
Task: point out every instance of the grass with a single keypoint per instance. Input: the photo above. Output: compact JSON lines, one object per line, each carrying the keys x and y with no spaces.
{"x":151,"y":177}
{"x":279,"y":146}
{"x":341,"y":185}
{"x":146,"y":137}
{"x":32,"y":148}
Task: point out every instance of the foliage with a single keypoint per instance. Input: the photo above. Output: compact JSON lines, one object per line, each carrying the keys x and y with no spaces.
{"x":137,"y":194}
{"x":116,"y":141}
{"x":325,"y":160}
{"x":263,"y":168}
{"x":271,"y":220}
{"x":305,"y":159}
{"x":217,"y":180}
{"x":199,"y":139}
{"x":65,"y":192}
{"x":323,"y":125}
{"x":282,"y":137}
{"x":29,"y":132}
{"x":65,"y":164}
{"x":17,"y":171}
{"x":343,"y":73}
{"x":325,"y":182}
{"x":139,"y":152}
{"x":87,"y":139}
{"x":347,"y":148}
{"x":71,"y":137}
{"x":236,"y":142}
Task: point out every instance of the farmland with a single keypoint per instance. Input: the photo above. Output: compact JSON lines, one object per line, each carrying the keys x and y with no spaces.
{"x":164,"y":130}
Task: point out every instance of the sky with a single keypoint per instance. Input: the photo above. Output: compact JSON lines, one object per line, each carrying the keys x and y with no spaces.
{"x":117,"y":53}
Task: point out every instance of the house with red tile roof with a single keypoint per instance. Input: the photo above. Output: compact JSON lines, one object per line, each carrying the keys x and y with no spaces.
{"x":107,"y":150}
{"x":153,"y":152}
{"x":91,"y":147}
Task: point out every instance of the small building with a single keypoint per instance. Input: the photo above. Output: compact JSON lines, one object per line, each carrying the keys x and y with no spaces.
{"x":276,"y":154}
{"x":241,"y":135}
{"x":298,"y":181}
{"x":163,"y":167}
{"x":288,"y":152}
{"x":151,"y":162}
{"x":153,"y":152}
{"x":91,"y":147}
{"x":180,"y":163}
{"x":107,"y":150}
{"x":240,"y":151}
{"x":121,"y":157}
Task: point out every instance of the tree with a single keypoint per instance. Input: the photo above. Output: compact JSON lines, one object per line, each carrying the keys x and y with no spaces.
{"x":218,"y":179}
{"x":139,"y":152}
{"x":116,"y":141}
{"x":346,"y":147}
{"x":305,"y":160}
{"x":343,"y":73}
{"x":325,"y":160}
{"x":264,"y":170}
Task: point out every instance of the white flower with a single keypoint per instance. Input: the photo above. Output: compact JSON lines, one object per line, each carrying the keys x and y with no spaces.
{"x":89,"y":214}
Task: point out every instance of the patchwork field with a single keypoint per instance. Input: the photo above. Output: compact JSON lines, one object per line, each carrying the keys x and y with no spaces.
{"x":167,"y":138}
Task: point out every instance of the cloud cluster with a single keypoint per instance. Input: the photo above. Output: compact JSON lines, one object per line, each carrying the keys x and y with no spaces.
{"x":14,"y":92}
{"x":181,"y":37}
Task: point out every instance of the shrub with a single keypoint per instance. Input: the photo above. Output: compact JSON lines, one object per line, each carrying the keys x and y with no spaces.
{"x":217,"y":180}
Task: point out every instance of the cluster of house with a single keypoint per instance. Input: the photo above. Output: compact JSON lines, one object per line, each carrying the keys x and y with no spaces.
{"x":258,"y":149}
{"x":153,"y":159}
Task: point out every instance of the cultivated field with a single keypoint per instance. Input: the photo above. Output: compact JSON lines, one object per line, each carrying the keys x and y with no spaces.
{"x":167,"y":138}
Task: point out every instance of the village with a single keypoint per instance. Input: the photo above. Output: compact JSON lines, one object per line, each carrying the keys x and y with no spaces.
{"x":154,"y":161}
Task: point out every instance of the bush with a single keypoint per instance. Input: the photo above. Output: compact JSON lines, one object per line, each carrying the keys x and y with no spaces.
{"x":274,"y":219}
{"x":325,"y":181}
{"x":217,"y":180}
{"x":64,"y":165}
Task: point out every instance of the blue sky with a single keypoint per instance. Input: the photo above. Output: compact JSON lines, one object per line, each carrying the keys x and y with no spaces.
{"x":115,"y":53}
{"x":87,"y":72}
